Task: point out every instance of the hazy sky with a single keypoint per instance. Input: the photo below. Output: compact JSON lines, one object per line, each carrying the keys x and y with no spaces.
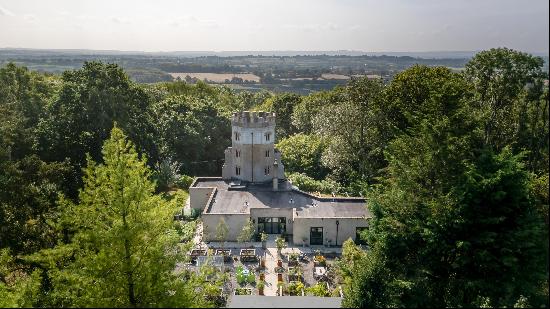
{"x":204,"y":25}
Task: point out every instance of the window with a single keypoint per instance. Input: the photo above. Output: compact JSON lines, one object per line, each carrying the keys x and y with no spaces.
{"x":267,"y":153}
{"x":237,"y":136}
{"x":237,"y":170}
{"x":267,"y":170}
{"x":268,"y":136}
{"x":237,"y":153}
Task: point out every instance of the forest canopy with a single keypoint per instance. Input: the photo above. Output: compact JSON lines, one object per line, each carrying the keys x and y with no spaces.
{"x":454,"y":166}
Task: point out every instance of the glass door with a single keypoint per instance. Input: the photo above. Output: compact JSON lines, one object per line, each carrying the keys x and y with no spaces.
{"x":275,"y":225}
{"x":316,"y":236}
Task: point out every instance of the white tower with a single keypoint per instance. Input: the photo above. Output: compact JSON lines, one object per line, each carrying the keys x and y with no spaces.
{"x":252,"y":155}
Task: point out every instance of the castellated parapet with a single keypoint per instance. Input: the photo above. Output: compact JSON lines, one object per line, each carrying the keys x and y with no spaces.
{"x":249,"y":119}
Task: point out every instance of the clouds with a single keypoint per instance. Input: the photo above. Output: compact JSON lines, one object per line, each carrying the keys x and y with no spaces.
{"x":190,"y":21}
{"x":369,"y":25}
{"x":329,"y":26}
{"x":5,"y":12}
{"x":120,"y":20}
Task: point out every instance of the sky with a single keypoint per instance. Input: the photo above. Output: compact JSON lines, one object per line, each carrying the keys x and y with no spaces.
{"x":267,"y":25}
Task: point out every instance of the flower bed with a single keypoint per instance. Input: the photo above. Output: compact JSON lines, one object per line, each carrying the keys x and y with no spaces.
{"x":245,"y":276}
{"x":295,"y":274}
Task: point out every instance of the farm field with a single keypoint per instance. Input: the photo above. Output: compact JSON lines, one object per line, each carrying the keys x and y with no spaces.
{"x":334,"y":76}
{"x":218,"y":77}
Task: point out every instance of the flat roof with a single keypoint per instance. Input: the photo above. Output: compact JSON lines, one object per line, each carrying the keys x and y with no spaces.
{"x":240,"y":200}
{"x":254,"y":301}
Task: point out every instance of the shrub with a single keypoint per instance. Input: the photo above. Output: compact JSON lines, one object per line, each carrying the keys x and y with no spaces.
{"x":320,"y":290}
{"x":184,"y":182}
{"x":308,"y":184}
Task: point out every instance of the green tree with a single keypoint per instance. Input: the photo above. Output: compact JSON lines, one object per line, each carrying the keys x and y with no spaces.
{"x":283,"y":106}
{"x":302,"y":154}
{"x":124,"y":249}
{"x":221,"y":231}
{"x":513,"y":102}
{"x":247,"y":232}
{"x":17,"y":287}
{"x":446,"y":236}
{"x":357,"y":132}
{"x":80,"y":118}
{"x":304,"y":113}
{"x":193,"y":131}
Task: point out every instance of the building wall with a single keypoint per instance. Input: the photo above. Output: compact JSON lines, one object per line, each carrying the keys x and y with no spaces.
{"x":346,"y":229}
{"x":198,"y":196}
{"x":228,"y":165}
{"x":235,"y":223}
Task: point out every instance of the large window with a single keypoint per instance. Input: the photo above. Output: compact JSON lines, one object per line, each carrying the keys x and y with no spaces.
{"x":237,"y":170}
{"x":275,"y":225}
{"x":316,"y":236}
{"x":237,"y":136}
{"x":268,"y":136}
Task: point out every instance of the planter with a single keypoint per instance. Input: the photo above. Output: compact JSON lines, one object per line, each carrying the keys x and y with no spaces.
{"x":248,"y":255}
{"x":243,"y":291}
{"x":196,"y":253}
{"x":262,"y":277}
{"x":226,"y":254}
{"x":262,"y":263}
{"x":261,"y":292}
{"x":279,"y":263}
{"x":280,"y":277}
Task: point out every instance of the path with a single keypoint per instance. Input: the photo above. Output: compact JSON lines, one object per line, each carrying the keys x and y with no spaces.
{"x":270,"y":263}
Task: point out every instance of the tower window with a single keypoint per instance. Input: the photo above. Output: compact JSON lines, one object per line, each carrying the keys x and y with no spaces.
{"x":237,"y":153}
{"x":267,"y":170}
{"x":237,"y":136}
{"x":267,"y":153}
{"x":237,"y":170}
{"x":268,"y":136}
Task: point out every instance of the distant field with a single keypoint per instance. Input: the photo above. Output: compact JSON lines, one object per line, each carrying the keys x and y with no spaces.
{"x":334,"y":76}
{"x":218,"y":77}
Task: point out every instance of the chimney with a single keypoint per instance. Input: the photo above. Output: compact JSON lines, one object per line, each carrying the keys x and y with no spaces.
{"x":275,"y":174}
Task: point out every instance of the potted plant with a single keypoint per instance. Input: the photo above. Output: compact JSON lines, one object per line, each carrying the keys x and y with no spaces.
{"x":280,"y":242}
{"x":280,"y":288}
{"x":262,"y":276}
{"x":293,"y":259}
{"x":261,"y":286}
{"x":263,"y":238}
{"x":319,"y":260}
{"x":262,"y":262}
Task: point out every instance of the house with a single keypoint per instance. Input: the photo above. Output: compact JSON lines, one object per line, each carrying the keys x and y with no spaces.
{"x":253,"y":187}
